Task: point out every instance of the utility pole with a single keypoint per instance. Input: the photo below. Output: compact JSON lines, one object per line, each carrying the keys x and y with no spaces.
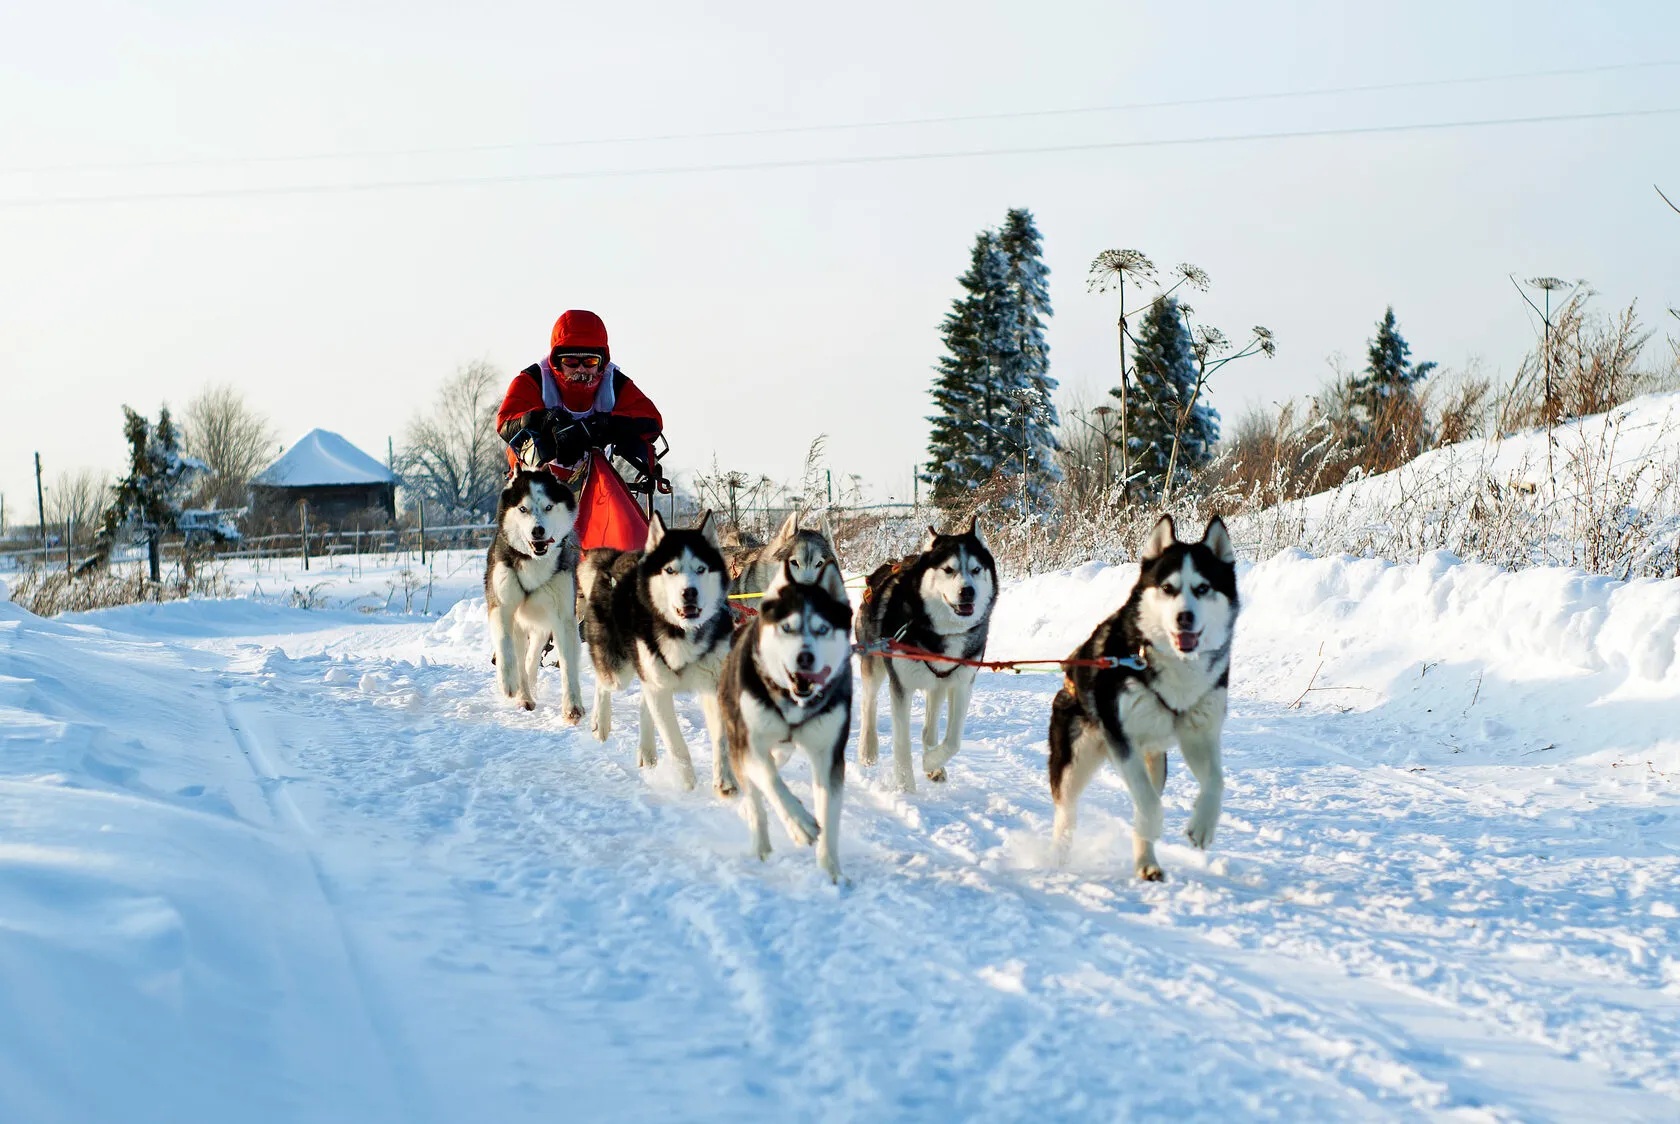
{"x":40,"y":500}
{"x":303,"y":526}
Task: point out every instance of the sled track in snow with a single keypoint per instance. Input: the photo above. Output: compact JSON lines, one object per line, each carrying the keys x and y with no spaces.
{"x":959,"y":949}
{"x":400,"y":1079}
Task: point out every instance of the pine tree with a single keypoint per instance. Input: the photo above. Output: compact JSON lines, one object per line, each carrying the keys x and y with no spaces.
{"x":970,"y":438}
{"x":1026,"y":359}
{"x":992,"y":392}
{"x":149,"y":498}
{"x":1164,"y":384}
{"x":1384,"y":394}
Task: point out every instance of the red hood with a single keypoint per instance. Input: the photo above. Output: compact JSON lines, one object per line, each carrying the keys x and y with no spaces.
{"x":578,"y":330}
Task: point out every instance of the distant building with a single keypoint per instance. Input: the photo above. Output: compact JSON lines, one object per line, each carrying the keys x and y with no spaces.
{"x":341,"y":484}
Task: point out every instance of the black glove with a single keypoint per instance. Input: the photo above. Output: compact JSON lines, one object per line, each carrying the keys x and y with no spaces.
{"x":597,"y":426}
{"x":571,"y":441}
{"x":533,"y":447}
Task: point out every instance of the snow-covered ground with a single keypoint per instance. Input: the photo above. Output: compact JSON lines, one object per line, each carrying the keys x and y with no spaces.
{"x":266,"y":863}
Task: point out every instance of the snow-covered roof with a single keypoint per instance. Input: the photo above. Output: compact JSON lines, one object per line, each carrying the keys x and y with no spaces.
{"x":323,"y":457}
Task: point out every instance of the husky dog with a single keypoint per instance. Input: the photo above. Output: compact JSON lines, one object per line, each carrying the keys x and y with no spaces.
{"x":1173,"y":637}
{"x":530,"y":588}
{"x":788,"y":682}
{"x":660,"y":615}
{"x":807,"y":549}
{"x":941,"y":601}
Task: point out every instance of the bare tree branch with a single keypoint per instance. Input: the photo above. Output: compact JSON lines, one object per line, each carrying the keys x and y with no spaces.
{"x":224,"y":432}
{"x":453,"y":456}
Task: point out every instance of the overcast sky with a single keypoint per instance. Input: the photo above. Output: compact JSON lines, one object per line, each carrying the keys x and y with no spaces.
{"x":764,"y":305}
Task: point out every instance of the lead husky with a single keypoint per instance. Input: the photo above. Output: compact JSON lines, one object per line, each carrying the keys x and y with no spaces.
{"x":941,"y":601}
{"x":530,"y":588}
{"x":1174,"y":636}
{"x":660,"y":615}
{"x":807,"y":549}
{"x":788,"y":681}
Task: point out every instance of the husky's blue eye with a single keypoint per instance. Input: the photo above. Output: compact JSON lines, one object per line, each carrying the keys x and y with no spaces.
{"x":1202,"y":590}
{"x":821,"y":629}
{"x":790,"y":625}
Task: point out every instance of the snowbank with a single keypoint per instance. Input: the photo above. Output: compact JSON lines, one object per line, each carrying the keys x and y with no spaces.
{"x":1602,"y":492}
{"x":1559,"y":645}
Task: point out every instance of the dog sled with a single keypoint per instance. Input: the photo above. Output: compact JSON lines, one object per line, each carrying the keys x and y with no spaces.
{"x":609,"y":510}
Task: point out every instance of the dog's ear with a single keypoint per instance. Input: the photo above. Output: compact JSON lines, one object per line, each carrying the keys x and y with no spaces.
{"x":928,"y":539}
{"x":1218,"y":540}
{"x":784,"y":534}
{"x":825,"y":528}
{"x":709,"y":532}
{"x":832,"y":583}
{"x":780,"y":581}
{"x":1159,"y":539}
{"x":974,"y":529}
{"x":656,"y":532}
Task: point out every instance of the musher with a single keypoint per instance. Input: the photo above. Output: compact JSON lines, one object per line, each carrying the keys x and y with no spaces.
{"x":567,"y":412}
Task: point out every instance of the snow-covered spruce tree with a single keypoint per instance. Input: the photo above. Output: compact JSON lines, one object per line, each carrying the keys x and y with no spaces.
{"x":149,"y":498}
{"x":1387,"y":414}
{"x":993,"y":389}
{"x":970,"y":438}
{"x":1166,"y":401}
{"x":1026,"y":361}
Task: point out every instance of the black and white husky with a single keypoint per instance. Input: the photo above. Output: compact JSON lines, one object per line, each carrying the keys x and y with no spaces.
{"x":1173,"y":637}
{"x":939,"y":600}
{"x":808,"y":549}
{"x":530,"y":588}
{"x":660,"y":615}
{"x":788,"y":682}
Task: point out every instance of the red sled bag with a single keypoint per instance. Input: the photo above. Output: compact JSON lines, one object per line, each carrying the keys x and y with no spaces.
{"x":608,"y":515}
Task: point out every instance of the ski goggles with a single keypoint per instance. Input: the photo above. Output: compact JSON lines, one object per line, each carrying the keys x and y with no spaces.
{"x":574,"y":362}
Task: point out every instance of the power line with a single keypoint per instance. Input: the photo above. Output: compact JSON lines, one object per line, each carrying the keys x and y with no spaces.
{"x":789,"y":130}
{"x":809,"y":162}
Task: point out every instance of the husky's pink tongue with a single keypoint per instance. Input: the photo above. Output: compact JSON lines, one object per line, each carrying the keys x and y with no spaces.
{"x":817,"y":678}
{"x":1186,"y":641}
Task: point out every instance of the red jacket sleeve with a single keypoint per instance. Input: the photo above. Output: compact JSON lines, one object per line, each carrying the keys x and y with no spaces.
{"x":630,"y":402}
{"x":523,"y":397}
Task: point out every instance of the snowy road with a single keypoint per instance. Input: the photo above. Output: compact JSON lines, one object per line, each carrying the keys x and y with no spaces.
{"x":1416,"y":908}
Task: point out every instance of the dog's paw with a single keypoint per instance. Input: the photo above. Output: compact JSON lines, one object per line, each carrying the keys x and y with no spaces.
{"x":600,"y":723}
{"x":1150,"y":872}
{"x":646,"y":758}
{"x":687,"y":778}
{"x":869,"y":752}
{"x":761,"y":849}
{"x":831,"y":867}
{"x":802,"y":825}
{"x":1201,"y":829}
{"x":727,"y":789}
{"x":572,"y":715}
{"x":527,"y":702}
{"x":935,"y":757}
{"x":937,"y":776}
